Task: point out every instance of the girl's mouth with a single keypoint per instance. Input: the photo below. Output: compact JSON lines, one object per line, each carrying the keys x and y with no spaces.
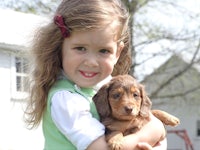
{"x":88,"y":74}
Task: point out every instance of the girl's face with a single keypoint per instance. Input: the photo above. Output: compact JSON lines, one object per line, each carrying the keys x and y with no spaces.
{"x":88,"y":57}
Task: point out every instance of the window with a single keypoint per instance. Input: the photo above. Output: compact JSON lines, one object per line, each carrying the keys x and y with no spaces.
{"x":19,"y":77}
{"x":21,"y":74}
{"x":198,"y":128}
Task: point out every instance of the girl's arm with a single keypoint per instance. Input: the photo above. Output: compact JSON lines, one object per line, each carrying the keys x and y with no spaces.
{"x":99,"y":144}
{"x":151,"y":133}
{"x":162,"y":145}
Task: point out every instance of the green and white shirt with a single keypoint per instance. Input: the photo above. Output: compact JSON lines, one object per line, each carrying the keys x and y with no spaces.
{"x":71,"y":120}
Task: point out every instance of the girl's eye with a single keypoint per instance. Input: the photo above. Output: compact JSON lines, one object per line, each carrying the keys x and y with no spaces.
{"x":104,"y":51}
{"x":80,"y":48}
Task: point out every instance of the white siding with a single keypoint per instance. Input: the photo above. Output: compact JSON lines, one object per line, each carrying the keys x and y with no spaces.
{"x":188,"y":115}
{"x":185,"y":106}
{"x":13,"y":134}
{"x":4,"y":83}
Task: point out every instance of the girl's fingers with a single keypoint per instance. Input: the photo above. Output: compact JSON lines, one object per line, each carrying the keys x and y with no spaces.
{"x":145,"y":146}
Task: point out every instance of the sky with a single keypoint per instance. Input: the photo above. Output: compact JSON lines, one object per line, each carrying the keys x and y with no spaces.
{"x":176,"y":21}
{"x":16,"y":27}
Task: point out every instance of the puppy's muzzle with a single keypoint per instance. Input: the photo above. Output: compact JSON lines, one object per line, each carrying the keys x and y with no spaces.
{"x":128,"y":109}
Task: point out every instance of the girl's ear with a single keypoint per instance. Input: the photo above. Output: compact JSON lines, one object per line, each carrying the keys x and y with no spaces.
{"x":120,"y":48}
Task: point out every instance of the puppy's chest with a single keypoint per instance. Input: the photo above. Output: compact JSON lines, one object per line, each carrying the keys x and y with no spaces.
{"x":126,"y":127}
{"x":133,"y":126}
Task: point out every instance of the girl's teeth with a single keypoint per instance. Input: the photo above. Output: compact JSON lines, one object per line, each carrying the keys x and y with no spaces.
{"x":88,"y":74}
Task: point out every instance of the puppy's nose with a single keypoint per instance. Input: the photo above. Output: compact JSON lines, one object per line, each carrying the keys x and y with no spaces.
{"x":128,"y":109}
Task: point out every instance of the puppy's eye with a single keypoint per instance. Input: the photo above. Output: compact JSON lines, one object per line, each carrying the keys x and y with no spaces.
{"x":116,"y":96}
{"x":136,"y":95}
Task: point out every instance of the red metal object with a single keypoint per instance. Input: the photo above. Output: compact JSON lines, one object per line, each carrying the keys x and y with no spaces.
{"x":183,"y":134}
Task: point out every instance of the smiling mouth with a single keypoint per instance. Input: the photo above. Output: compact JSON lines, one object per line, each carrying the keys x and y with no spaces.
{"x":88,"y":74}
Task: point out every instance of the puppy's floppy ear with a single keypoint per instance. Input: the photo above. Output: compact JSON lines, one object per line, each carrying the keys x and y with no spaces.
{"x":145,"y":104}
{"x":101,"y":101}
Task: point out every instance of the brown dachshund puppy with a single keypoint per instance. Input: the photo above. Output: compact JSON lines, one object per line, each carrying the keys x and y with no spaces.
{"x":124,"y":108}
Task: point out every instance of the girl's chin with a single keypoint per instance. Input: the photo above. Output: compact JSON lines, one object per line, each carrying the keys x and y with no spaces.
{"x":86,"y":85}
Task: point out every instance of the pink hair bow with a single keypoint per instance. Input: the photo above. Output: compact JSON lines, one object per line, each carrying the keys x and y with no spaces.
{"x":59,"y":21}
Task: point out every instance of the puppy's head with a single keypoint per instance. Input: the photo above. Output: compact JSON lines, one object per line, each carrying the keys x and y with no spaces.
{"x":122,"y":98}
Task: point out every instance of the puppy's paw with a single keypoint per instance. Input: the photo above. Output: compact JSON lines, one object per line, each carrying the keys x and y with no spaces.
{"x":116,"y":145}
{"x":115,"y":140}
{"x":172,"y":121}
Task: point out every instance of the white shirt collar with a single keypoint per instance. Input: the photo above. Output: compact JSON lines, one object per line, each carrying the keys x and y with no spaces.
{"x":101,"y":83}
{"x":96,"y":87}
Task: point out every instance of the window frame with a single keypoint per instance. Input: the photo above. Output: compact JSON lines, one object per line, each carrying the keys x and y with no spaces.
{"x":198,"y":128}
{"x":17,"y":95}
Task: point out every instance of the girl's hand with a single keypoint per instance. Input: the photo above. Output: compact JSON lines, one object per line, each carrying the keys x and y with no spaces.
{"x":145,"y":146}
{"x":162,"y":145}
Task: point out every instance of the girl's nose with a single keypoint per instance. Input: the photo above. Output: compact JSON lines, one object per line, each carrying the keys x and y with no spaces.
{"x":91,"y":61}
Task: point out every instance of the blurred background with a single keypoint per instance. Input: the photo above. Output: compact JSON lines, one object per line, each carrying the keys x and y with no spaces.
{"x":165,"y":58}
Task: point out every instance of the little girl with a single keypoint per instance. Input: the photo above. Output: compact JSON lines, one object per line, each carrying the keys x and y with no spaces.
{"x":86,"y":42}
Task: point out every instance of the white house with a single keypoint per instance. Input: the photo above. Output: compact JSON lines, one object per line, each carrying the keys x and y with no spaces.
{"x":15,"y":35}
{"x":185,"y":106}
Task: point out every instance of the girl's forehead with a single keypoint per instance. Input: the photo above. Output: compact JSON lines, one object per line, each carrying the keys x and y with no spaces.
{"x":110,"y":30}
{"x":102,"y":35}
{"x":93,"y":37}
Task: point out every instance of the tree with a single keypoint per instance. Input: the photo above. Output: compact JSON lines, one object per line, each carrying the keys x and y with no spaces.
{"x":159,"y":29}
{"x":39,"y":7}
{"x":148,"y":30}
{"x":155,"y":28}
